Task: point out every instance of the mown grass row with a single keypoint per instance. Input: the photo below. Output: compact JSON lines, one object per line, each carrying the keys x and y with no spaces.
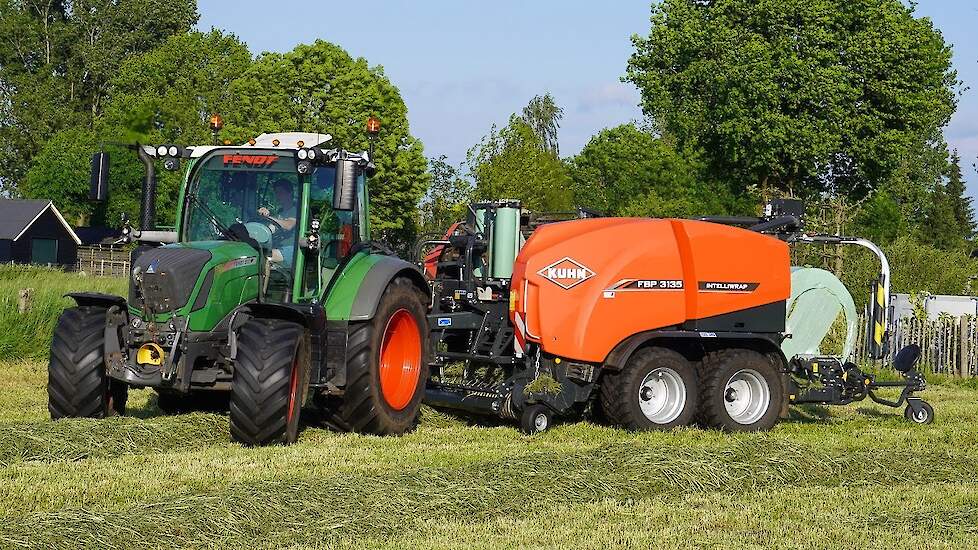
{"x":827,"y":478}
{"x":28,"y":335}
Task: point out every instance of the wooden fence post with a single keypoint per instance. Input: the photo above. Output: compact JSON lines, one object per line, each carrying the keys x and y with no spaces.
{"x":963,"y":346}
{"x":24,"y":299}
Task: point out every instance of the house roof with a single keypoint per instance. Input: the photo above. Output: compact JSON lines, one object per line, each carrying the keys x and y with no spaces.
{"x":17,"y":215}
{"x":98,"y":235}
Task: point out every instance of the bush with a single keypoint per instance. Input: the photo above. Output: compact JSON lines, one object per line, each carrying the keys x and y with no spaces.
{"x":28,"y":335}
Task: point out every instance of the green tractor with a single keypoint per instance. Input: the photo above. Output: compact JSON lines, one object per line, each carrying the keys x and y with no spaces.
{"x":269,"y":289}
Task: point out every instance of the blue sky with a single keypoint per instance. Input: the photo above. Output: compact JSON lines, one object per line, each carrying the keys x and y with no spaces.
{"x":463,"y":66}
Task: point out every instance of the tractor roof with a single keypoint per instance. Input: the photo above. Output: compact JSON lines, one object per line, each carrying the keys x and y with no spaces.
{"x":286,"y":141}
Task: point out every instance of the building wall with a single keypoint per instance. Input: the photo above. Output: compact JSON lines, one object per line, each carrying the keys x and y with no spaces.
{"x":45,"y":227}
{"x":5,"y":250}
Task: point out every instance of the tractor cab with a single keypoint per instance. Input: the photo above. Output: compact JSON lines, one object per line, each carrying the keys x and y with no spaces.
{"x":289,"y":217}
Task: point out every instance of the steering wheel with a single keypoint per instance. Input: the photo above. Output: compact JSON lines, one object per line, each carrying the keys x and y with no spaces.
{"x":272,"y":221}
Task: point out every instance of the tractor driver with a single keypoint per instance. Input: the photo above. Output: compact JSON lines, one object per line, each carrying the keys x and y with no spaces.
{"x":286,"y":216}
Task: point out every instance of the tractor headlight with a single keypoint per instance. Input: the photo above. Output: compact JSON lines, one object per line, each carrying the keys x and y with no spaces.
{"x":303,"y":167}
{"x":312,"y":154}
{"x":173,"y":150}
{"x":302,"y":154}
{"x":161,"y":151}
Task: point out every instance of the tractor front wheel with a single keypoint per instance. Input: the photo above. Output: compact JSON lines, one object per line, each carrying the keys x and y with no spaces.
{"x":78,"y":386}
{"x":387,"y":366}
{"x":269,"y":382}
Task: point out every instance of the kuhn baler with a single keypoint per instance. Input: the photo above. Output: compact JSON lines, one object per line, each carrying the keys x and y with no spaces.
{"x":652,"y":323}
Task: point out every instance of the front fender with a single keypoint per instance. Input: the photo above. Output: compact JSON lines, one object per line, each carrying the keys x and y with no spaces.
{"x":97,"y":299}
{"x":311,"y":316}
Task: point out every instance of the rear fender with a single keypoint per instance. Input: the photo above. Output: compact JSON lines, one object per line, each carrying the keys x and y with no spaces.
{"x":377,"y":279}
{"x":694,"y":344}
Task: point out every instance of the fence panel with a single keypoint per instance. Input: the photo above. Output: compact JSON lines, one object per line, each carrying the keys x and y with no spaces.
{"x":103,"y":260}
{"x":948,"y":345}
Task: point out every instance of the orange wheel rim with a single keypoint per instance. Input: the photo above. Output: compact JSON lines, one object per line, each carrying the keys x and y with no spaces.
{"x":293,"y":390}
{"x":400,"y":359}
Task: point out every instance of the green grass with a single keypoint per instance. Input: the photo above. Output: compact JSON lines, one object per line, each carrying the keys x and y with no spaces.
{"x":28,"y":335}
{"x":848,"y":477}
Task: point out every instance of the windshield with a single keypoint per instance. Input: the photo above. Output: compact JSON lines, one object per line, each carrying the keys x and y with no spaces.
{"x":259,"y":196}
{"x":235,"y":196}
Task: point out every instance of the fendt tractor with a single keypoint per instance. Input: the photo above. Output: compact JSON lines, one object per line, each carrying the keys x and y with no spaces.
{"x":648,"y":323}
{"x":269,"y":288}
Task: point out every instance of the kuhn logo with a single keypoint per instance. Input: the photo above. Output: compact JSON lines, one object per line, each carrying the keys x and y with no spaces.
{"x":566,"y":273}
{"x":256,"y":161}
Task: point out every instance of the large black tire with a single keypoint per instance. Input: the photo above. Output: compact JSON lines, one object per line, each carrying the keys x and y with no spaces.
{"x":78,"y":386}
{"x":649,"y":370}
{"x":268,"y":387}
{"x":726,"y":377}
{"x":364,"y":407}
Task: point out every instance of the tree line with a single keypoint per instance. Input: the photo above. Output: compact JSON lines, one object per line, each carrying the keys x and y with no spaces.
{"x":80,"y":76}
{"x":842,"y":104}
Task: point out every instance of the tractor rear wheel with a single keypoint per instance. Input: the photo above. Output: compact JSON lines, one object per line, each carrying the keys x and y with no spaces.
{"x":269,"y":382}
{"x":387,"y":366}
{"x":78,"y":386}
{"x":741,"y":391}
{"x":656,"y":390}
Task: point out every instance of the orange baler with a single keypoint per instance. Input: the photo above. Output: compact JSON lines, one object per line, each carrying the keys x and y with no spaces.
{"x":582,"y":288}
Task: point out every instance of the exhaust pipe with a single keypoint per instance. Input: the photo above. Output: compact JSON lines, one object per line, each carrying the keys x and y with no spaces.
{"x":147,"y":210}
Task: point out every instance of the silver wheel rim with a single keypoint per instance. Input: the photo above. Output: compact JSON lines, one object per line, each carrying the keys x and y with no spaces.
{"x":746,"y":396}
{"x":540,"y":422}
{"x":920,"y":416}
{"x":662,"y":395}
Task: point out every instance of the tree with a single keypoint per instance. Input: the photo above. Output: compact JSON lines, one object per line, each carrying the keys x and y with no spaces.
{"x":513,"y":163}
{"x":320,"y":88}
{"x":57,"y":59}
{"x":803,"y":96}
{"x":61,"y":173}
{"x":544,"y":116}
{"x":163,"y":96}
{"x":627,"y":171}
{"x":446,"y":199}
{"x":963,"y":211}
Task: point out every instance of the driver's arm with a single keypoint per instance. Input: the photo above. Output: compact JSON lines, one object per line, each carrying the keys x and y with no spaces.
{"x":286,"y":223}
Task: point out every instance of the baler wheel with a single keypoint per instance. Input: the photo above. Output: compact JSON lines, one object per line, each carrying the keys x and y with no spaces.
{"x":535,"y":419}
{"x":925,"y":416}
{"x":269,"y":382}
{"x":656,"y":390}
{"x":741,"y":391}
{"x":78,"y":386}
{"x":387,"y":366}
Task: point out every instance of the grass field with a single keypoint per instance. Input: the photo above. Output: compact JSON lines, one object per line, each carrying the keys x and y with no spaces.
{"x":853,"y":477}
{"x":849,"y":477}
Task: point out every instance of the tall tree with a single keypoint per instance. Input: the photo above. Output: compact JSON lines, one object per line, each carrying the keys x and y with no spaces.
{"x":512,"y":163}
{"x":802,"y":96}
{"x":447,"y":197}
{"x":543,"y":115}
{"x":626,"y":170}
{"x":961,"y":207}
{"x":162,"y":96}
{"x":319,"y":88}
{"x":56,"y":61}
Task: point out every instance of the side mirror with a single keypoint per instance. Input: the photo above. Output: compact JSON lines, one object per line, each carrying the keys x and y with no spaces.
{"x":345,"y":185}
{"x":99,"y":190}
